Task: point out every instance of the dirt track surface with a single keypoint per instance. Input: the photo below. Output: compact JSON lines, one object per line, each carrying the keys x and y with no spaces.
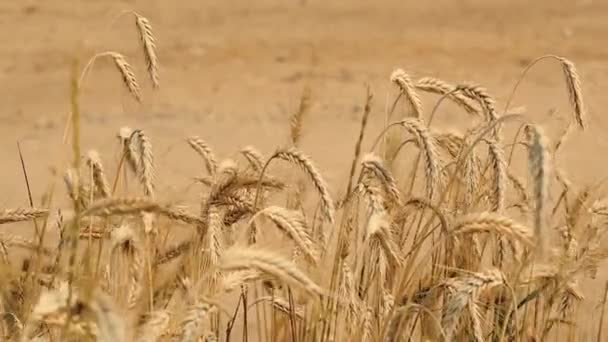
{"x":232,"y":72}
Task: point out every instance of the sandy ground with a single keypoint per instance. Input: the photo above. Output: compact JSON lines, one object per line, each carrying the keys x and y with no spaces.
{"x":232,"y":72}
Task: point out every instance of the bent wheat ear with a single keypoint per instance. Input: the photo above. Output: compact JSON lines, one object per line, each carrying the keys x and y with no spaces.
{"x":128,"y":76}
{"x":298,"y":117}
{"x":437,"y":86}
{"x":149,"y":44}
{"x":205,"y":152}
{"x":492,"y":222}
{"x":481,"y":95}
{"x":293,"y":224}
{"x":249,"y":258}
{"x":575,"y":93}
{"x":403,"y":80}
{"x":429,"y":151}
{"x":373,"y":163}
{"x":21,"y":214}
{"x":299,"y":159}
{"x":254,"y":157}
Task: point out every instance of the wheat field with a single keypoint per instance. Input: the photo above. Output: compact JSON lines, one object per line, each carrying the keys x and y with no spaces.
{"x":473,"y":232}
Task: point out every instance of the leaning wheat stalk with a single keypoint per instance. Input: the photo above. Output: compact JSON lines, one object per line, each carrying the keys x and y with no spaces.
{"x":437,"y":86}
{"x":140,"y":143}
{"x":429,"y":151}
{"x":128,"y":76}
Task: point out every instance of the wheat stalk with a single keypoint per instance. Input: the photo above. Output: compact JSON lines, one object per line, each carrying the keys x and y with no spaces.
{"x":128,"y":76}
{"x":429,"y":151}
{"x":154,"y":327}
{"x":538,"y":165}
{"x":437,"y":86}
{"x":492,"y":222}
{"x":144,"y":160}
{"x":373,"y":164}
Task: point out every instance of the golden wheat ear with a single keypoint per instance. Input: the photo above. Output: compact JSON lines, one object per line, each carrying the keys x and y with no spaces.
{"x":128,"y":76}
{"x":149,"y":45}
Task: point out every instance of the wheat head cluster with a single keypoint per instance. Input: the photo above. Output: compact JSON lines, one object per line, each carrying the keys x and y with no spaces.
{"x":454,"y":244}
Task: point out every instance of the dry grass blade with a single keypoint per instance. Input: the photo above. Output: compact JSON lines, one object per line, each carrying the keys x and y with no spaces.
{"x":493,"y":223}
{"x":293,"y":224}
{"x":251,"y":258}
{"x":205,"y":152}
{"x":403,"y":80}
{"x":305,"y":163}
{"x":21,"y":214}
{"x":149,"y":44}
{"x":128,"y":76}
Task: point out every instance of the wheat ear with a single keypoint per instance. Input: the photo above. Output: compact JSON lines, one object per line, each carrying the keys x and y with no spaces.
{"x":437,"y":86}
{"x":298,"y":117}
{"x":128,"y":76}
{"x":492,"y":222}
{"x":299,"y":159}
{"x":293,"y":224}
{"x":149,"y":44}
{"x":429,"y":151}
{"x":250,"y":258}
{"x":154,"y":327}
{"x":373,"y":164}
{"x":538,"y":165}
{"x":205,"y":152}
{"x":144,"y":160}
{"x":405,"y":84}
{"x":99,"y":176}
{"x":21,"y":214}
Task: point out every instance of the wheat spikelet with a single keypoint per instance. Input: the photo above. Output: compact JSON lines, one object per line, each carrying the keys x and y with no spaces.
{"x":21,"y":214}
{"x":128,"y":76}
{"x":305,"y":163}
{"x":298,"y":117}
{"x":538,"y":165}
{"x":99,"y":177}
{"x":372,"y":163}
{"x":205,"y":152}
{"x":9,"y":240}
{"x":575,"y":93}
{"x":465,"y":290}
{"x":149,"y":44}
{"x":154,"y":327}
{"x":250,"y":258}
{"x":402,"y":79}
{"x":233,"y":280}
{"x":254,"y":157}
{"x":144,"y":161}
{"x":293,"y":224}
{"x":120,"y":206}
{"x":282,"y":305}
{"x":437,"y":86}
{"x":497,"y":160}
{"x":193,"y":322}
{"x":378,"y":228}
{"x":492,"y":222}
{"x":480,"y":95}
{"x":429,"y":151}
